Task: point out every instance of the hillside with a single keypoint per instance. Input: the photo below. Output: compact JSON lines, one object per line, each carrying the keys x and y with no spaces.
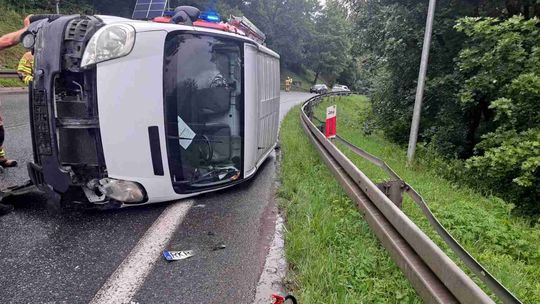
{"x":9,"y":58}
{"x":10,"y":21}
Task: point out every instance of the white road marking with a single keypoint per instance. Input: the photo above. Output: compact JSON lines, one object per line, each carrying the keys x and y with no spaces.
{"x":131,"y":274}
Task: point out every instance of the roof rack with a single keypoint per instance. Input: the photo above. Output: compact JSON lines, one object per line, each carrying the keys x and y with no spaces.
{"x":248,"y":28}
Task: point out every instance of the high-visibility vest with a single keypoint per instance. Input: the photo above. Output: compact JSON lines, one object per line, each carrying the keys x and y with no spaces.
{"x":26,"y":68}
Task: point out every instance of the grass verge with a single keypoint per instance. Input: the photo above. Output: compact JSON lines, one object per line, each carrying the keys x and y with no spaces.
{"x":506,"y":244}
{"x":10,"y":21}
{"x":333,"y":255}
{"x":9,"y":58}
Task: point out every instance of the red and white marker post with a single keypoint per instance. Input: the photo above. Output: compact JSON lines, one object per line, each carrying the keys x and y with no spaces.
{"x":330,"y":130}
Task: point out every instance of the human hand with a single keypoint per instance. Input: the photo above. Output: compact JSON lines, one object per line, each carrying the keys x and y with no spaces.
{"x":27,"y":21}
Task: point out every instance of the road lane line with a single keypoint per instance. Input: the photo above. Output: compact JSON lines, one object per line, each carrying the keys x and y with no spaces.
{"x":131,"y":274}
{"x":275,"y":267}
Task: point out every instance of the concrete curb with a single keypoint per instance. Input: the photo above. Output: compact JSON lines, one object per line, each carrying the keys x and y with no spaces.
{"x":13,"y":91}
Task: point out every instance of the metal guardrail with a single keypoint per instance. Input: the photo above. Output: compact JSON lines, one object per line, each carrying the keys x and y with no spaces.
{"x":436,"y":278}
{"x":8,"y":74}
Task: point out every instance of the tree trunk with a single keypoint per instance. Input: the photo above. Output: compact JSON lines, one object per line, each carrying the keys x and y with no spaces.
{"x":473,"y":122}
{"x":513,"y":7}
{"x":316,"y":78}
{"x":527,"y":9}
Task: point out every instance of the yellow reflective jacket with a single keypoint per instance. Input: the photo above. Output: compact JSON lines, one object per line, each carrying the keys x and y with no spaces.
{"x":26,"y":68}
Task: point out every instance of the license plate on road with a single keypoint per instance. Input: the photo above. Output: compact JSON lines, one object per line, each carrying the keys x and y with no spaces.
{"x":177,"y":255}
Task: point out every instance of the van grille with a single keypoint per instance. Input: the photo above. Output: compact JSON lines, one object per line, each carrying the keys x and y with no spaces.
{"x":40,"y":115}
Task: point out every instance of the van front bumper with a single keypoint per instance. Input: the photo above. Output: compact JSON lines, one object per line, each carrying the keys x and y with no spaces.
{"x":63,"y":108}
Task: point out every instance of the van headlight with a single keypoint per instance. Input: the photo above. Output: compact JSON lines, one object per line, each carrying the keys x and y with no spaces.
{"x":122,"y":191}
{"x":109,"y":42}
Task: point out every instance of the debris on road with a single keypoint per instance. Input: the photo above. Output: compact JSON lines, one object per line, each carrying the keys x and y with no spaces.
{"x":219,"y":247}
{"x":200,"y":206}
{"x":278,"y":299}
{"x":177,"y":255}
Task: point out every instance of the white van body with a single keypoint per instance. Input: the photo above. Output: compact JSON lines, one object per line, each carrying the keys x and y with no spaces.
{"x":137,"y":128}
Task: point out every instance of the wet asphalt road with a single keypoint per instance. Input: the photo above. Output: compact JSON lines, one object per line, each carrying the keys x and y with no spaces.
{"x":66,"y":257}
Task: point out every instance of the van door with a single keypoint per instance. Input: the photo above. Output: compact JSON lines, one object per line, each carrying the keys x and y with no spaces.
{"x":268,"y":97}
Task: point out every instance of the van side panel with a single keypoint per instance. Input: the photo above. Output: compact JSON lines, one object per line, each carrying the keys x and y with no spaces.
{"x":268,"y":99}
{"x":130,"y":100}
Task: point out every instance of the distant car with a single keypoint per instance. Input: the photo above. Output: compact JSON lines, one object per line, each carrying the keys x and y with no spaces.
{"x":340,"y":88}
{"x":319,"y":89}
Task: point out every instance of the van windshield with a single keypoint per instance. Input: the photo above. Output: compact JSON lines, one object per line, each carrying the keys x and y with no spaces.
{"x":204,"y":110}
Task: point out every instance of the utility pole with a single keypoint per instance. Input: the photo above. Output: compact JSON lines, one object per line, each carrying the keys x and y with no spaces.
{"x":413,"y":138}
{"x":58,"y":7}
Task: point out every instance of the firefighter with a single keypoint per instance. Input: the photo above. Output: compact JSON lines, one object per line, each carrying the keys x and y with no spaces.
{"x":288,"y":84}
{"x":26,"y":68}
{"x":6,"y":41}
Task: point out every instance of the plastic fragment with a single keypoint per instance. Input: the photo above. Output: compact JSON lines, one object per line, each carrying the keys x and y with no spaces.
{"x":219,"y":247}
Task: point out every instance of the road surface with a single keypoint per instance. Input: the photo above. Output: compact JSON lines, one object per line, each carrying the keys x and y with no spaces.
{"x":114,"y":256}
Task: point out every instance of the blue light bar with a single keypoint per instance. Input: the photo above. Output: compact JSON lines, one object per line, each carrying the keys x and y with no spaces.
{"x":210,"y":16}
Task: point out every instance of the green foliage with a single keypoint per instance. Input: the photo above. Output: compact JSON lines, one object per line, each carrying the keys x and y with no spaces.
{"x":482,"y":87}
{"x":287,"y":25}
{"x":10,"y":21}
{"x":329,"y":46}
{"x":49,"y":6}
{"x":500,"y":63}
{"x":389,"y":43}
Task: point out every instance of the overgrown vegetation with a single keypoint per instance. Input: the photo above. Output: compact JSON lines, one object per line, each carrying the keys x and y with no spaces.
{"x":507,"y":245}
{"x":333,"y":255}
{"x":481,"y":101}
{"x":9,"y":58}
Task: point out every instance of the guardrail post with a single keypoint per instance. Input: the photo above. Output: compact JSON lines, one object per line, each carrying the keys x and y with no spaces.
{"x":394,"y":191}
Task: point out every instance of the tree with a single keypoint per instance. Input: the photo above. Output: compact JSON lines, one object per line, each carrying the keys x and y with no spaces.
{"x":287,"y":25}
{"x":329,"y":47}
{"x":501,"y":63}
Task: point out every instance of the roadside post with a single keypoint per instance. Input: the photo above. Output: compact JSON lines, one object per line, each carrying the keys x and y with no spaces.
{"x":421,"y":82}
{"x":330,"y":129}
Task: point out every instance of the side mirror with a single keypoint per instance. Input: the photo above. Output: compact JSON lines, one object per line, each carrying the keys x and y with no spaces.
{"x":185,"y":15}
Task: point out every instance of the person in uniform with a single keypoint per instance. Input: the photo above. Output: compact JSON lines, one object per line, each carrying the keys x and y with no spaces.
{"x":6,"y":41}
{"x":26,"y":68}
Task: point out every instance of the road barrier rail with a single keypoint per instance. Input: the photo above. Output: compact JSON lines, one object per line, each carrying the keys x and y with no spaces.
{"x":8,"y":74}
{"x":436,"y":278}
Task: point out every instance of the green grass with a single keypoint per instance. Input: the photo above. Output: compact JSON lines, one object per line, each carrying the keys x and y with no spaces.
{"x":333,"y":255}
{"x":507,"y":245}
{"x":10,"y":82}
{"x":9,"y":58}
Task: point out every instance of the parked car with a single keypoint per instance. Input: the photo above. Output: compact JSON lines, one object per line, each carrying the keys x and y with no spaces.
{"x":340,"y":88}
{"x":319,"y":89}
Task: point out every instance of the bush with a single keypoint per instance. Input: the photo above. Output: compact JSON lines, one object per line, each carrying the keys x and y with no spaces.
{"x":503,"y":71}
